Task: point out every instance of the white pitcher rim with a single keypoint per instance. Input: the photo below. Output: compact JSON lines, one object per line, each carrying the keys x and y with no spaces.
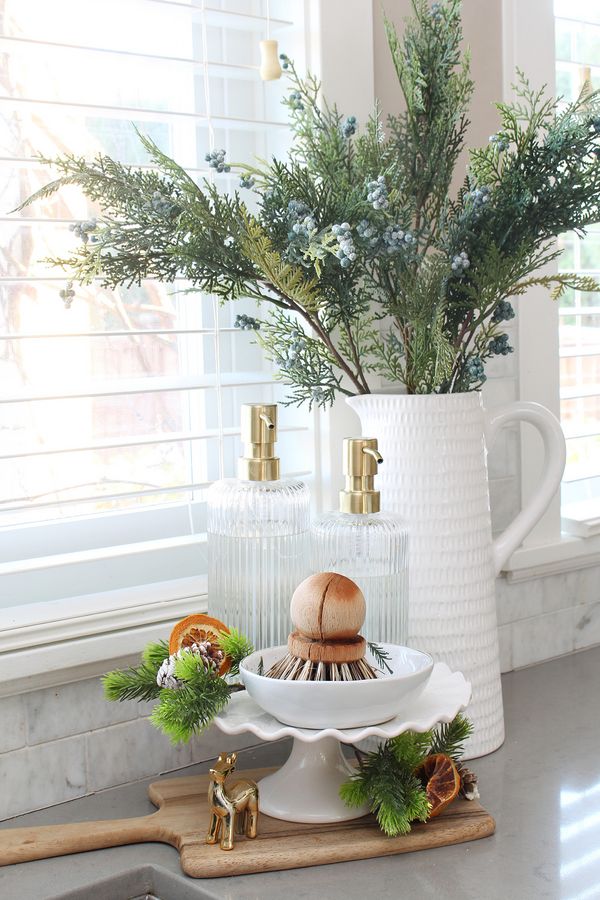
{"x":388,"y":394}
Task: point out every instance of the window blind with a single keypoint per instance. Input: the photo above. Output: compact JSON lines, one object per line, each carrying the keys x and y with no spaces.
{"x":578,"y":60}
{"x":117,"y":413}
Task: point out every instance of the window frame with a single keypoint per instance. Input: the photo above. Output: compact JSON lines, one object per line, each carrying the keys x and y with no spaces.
{"x":54,"y":642}
{"x":547,"y":550}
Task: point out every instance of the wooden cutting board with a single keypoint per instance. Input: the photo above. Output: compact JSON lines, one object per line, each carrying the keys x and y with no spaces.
{"x":182,"y":819}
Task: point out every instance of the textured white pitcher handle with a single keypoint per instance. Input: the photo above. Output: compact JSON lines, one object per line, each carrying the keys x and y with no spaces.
{"x":554,"y":463}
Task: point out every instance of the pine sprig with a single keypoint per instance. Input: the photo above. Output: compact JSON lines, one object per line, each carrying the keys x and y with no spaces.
{"x":189,"y":710}
{"x":135,"y":683}
{"x":236,"y":646}
{"x":154,"y":654}
{"x":450,"y":738}
{"x":381,"y":656}
{"x":385,"y":778}
{"x":411,"y":747}
{"x":394,"y":795}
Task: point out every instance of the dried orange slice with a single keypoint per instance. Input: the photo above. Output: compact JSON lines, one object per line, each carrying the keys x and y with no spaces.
{"x":441,"y":781}
{"x":197,"y":629}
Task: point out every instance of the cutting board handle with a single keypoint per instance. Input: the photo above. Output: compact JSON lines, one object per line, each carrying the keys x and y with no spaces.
{"x":19,"y":845}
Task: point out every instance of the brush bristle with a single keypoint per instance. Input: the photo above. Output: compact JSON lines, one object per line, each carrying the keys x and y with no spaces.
{"x":292,"y":668}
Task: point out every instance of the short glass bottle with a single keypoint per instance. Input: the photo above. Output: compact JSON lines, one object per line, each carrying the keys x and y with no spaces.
{"x":367,"y":545}
{"x":258,"y":537}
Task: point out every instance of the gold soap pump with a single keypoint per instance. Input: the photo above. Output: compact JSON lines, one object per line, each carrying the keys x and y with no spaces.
{"x":259,"y":434}
{"x":366,"y":545}
{"x":361,"y":462}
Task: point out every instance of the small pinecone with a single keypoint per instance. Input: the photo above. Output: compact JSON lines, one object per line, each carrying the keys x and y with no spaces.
{"x":468,"y":782}
{"x":210,"y":656}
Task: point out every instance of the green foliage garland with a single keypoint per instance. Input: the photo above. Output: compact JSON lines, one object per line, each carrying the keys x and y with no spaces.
{"x":198,"y":694}
{"x":386,"y":780}
{"x":362,"y":262}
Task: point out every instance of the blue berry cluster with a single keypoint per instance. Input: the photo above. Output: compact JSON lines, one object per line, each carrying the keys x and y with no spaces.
{"x":301,"y":225}
{"x":216,"y":161}
{"x":291,"y":355}
{"x":475,"y":369}
{"x":247,"y":181}
{"x":229,"y":241}
{"x":317,"y":395}
{"x":348,"y":126}
{"x":346,"y":252}
{"x":377,"y":193}
{"x":595,"y":124}
{"x":285,"y":61}
{"x":297,"y":209}
{"x":395,"y":239}
{"x":499,"y":345}
{"x":296,"y":100}
{"x":499,"y":142}
{"x":67,"y":294}
{"x":480,"y":196}
{"x":367,"y":232}
{"x":303,"y":229}
{"x":161,"y":204}
{"x":246,"y":323}
{"x":83,"y":229}
{"x":460,"y":263}
{"x":503,"y":312}
{"x":436,"y":12}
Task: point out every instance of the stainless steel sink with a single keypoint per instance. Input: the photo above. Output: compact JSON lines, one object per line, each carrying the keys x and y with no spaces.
{"x":144,"y":883}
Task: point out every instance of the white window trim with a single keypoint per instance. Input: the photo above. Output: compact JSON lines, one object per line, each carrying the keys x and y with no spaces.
{"x":44,"y":644}
{"x":546,"y":551}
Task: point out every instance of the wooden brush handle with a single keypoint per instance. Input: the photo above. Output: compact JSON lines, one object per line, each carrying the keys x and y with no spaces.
{"x":19,"y":845}
{"x":347,"y":651}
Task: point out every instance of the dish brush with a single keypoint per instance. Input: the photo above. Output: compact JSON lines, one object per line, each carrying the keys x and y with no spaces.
{"x":328,"y":611}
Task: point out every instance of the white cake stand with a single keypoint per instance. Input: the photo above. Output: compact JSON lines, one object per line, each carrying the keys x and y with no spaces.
{"x":306,"y":787}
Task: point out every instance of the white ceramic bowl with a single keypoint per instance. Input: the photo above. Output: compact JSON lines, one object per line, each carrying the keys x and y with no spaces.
{"x":337,"y":704}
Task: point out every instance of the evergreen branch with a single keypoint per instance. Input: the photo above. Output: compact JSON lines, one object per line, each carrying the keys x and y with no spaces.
{"x":182,"y":713}
{"x":538,"y":178}
{"x":394,"y":795}
{"x":381,"y":656}
{"x":154,"y":654}
{"x":236,"y":646}
{"x":386,"y":781}
{"x":558,"y":283}
{"x":135,"y":683}
{"x":450,"y":738}
{"x":288,"y":280}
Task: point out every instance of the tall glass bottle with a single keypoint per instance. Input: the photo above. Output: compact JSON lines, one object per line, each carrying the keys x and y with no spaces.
{"x":258,"y":536}
{"x":367,"y":545}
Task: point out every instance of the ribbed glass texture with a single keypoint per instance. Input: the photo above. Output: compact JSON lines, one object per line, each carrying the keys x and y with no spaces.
{"x":370,"y":549}
{"x":258,"y":553}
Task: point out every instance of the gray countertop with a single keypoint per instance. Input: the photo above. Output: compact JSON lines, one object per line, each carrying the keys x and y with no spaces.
{"x":542,"y":786}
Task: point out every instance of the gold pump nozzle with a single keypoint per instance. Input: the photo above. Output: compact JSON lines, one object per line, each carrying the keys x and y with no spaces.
{"x":361,"y":461}
{"x":259,"y":433}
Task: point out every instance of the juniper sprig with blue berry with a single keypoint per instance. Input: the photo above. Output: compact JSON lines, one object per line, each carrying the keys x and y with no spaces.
{"x":361,"y":260}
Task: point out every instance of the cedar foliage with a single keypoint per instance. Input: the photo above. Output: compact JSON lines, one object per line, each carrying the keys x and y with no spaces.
{"x":400,"y":306}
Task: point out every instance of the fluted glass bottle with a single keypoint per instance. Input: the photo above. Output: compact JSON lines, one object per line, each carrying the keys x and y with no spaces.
{"x":258,"y":537}
{"x":367,"y":545}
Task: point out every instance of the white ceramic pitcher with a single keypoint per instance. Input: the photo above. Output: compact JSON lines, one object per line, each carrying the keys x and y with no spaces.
{"x":435,"y":475}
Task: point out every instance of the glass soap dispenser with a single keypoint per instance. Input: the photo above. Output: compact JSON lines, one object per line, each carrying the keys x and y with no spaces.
{"x":258,"y":536}
{"x":367,"y":545}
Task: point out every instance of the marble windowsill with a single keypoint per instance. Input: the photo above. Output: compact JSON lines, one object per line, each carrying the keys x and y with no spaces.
{"x":542,"y":786}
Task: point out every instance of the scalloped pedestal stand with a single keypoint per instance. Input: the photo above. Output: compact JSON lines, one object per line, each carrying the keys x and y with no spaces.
{"x":306,"y":788}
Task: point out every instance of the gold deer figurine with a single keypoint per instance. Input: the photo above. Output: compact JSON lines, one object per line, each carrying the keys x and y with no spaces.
{"x":226,"y":804}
